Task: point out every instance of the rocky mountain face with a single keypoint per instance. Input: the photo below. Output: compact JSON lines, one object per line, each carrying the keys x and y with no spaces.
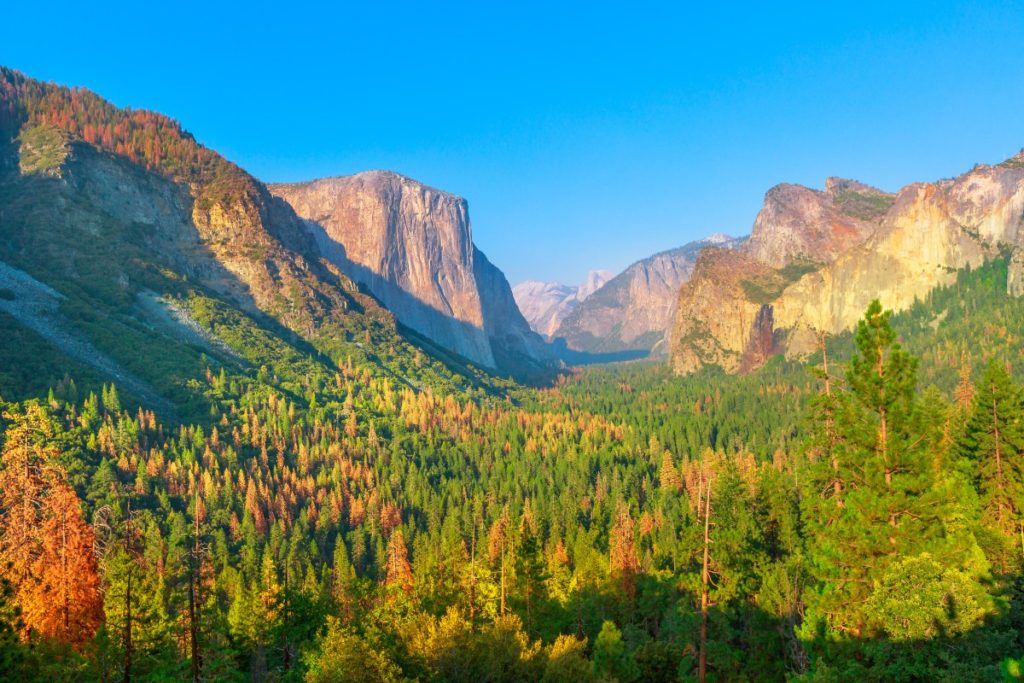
{"x":633,"y":311}
{"x":411,"y":247}
{"x":797,"y":223}
{"x":130,"y":221}
{"x":546,"y":304}
{"x":815,"y":260}
{"x":250,"y":249}
{"x":102,"y":195}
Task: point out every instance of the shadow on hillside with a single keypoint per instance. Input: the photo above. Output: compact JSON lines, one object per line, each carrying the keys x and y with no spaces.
{"x":426,"y":326}
{"x":100,"y":234}
{"x":574,"y":357}
{"x":746,"y":642}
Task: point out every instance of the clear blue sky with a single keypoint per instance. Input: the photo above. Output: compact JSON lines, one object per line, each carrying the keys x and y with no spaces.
{"x":583,"y":136}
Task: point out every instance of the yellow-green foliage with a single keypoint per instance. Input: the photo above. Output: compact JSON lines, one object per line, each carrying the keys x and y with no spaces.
{"x":43,"y":149}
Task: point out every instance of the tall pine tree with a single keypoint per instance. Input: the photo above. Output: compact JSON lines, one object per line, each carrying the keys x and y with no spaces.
{"x":992,"y":444}
{"x":897,"y":501}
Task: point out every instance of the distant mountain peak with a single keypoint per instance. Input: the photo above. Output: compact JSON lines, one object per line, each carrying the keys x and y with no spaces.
{"x":594,"y":281}
{"x":546,"y":304}
{"x":633,"y":310}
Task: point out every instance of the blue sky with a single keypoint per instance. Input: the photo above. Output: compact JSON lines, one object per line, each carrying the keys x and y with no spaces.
{"x":584,"y":136}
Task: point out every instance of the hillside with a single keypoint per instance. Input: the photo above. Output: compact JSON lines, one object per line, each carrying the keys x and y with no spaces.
{"x":134,"y":227}
{"x":222,"y":458}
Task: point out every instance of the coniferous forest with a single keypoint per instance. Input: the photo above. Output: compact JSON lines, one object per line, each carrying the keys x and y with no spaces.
{"x":304,"y":489}
{"x":855,"y":517}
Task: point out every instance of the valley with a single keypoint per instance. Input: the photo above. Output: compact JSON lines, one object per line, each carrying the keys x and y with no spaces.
{"x":309,"y":431}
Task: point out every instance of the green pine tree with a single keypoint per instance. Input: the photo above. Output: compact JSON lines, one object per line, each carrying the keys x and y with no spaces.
{"x":992,"y":444}
{"x":897,"y":502}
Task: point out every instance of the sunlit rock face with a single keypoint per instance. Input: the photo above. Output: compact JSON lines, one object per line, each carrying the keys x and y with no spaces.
{"x":817,"y":259}
{"x":634,"y":310}
{"x":798,"y":223}
{"x":411,"y":246}
{"x":546,"y":304}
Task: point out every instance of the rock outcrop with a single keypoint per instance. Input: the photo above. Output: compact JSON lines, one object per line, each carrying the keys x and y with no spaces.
{"x":633,"y":311}
{"x":818,"y":264}
{"x":411,"y":247}
{"x":798,"y":224}
{"x":546,"y":304}
{"x":716,"y":315}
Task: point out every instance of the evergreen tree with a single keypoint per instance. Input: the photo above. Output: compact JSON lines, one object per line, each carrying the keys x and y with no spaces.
{"x":611,"y":660}
{"x":993,"y":446}
{"x":531,"y":573}
{"x":896,"y":502}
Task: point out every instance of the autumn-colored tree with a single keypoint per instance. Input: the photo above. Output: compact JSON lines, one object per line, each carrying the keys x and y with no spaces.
{"x":46,"y":548}
{"x":64,"y":601}
{"x":26,"y":456}
{"x":669,"y":475}
{"x":622,"y":547}
{"x":497,"y":542}
{"x":399,"y":571}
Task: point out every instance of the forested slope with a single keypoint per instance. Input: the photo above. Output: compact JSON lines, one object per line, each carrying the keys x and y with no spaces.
{"x":332,"y":522}
{"x":320,"y":495}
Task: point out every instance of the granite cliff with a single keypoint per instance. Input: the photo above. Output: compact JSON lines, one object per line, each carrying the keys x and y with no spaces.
{"x":633,"y":311}
{"x":546,"y":304}
{"x":135,"y":229}
{"x":815,"y":260}
{"x":411,"y":247}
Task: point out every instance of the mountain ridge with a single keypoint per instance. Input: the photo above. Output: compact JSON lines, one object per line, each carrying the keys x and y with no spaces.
{"x":120,"y":210}
{"x":546,"y":304}
{"x":633,"y":311}
{"x":896,"y":247}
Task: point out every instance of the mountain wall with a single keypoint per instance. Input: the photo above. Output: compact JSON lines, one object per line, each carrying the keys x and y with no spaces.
{"x":124,"y":215}
{"x":815,"y":264}
{"x":546,"y":304}
{"x":633,"y":311}
{"x":411,"y":246}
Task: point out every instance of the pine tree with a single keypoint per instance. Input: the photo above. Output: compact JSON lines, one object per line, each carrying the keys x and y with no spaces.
{"x":27,"y":454}
{"x":622,"y":547}
{"x":531,"y":572}
{"x":896,"y":503}
{"x":65,"y":601}
{"x":668,"y":476}
{"x":611,"y":661}
{"x":398,"y":571}
{"x":993,"y":444}
{"x":46,"y":548}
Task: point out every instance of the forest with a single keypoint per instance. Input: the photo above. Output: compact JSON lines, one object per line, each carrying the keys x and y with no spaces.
{"x":859,"y":516}
{"x":353,"y":505}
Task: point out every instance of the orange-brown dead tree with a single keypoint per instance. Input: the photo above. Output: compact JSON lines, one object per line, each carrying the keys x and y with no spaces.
{"x":46,"y":547}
